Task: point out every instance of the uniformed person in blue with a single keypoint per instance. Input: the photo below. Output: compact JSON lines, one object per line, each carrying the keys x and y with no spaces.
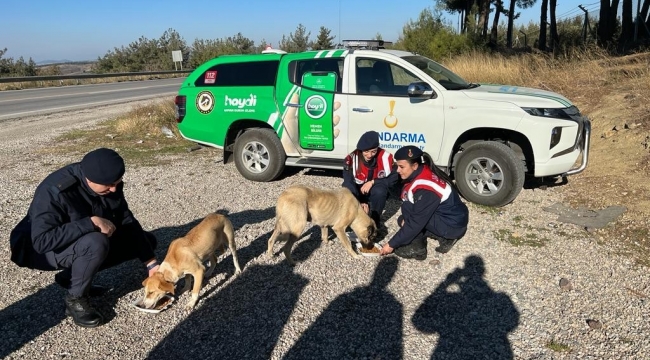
{"x":430,"y":202}
{"x":369,"y":173}
{"x":80,"y":223}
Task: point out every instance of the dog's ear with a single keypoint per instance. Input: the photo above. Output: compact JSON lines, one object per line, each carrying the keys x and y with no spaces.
{"x":372,"y":232}
{"x":144,"y":282}
{"x":167,"y":287}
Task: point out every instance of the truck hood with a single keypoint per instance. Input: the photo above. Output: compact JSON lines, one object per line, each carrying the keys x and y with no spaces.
{"x":520,"y":96}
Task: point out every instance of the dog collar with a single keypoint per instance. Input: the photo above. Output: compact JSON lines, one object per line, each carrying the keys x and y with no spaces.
{"x":152,"y":265}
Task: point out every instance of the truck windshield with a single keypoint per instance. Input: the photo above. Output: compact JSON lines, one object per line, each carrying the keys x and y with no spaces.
{"x":439,"y":73}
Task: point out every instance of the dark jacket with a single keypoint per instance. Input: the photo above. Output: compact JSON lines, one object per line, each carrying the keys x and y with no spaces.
{"x":60,"y":214}
{"x":373,"y":170}
{"x":424,"y":210}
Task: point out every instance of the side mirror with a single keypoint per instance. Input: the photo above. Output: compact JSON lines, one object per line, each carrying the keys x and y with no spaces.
{"x":421,"y":89}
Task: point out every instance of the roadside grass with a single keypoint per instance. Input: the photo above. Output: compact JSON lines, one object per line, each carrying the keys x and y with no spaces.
{"x":557,"y":346}
{"x":136,"y":135}
{"x":518,"y":239}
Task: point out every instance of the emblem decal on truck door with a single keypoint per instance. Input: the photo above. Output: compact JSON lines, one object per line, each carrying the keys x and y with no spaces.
{"x":205,"y":102}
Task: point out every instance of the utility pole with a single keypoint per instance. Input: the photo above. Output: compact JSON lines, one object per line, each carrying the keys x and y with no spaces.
{"x":586,"y":25}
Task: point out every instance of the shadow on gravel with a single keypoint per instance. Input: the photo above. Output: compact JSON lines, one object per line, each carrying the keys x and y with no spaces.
{"x":30,"y":317}
{"x":243,"y":320}
{"x":365,"y":323}
{"x":471,"y":319}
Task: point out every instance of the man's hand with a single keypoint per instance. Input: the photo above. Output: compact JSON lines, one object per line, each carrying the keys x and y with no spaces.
{"x":386,"y":249}
{"x":106,"y":227}
{"x":365,"y":207}
{"x":365,"y":188}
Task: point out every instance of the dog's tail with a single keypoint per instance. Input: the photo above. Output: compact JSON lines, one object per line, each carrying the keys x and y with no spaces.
{"x":229,"y":231}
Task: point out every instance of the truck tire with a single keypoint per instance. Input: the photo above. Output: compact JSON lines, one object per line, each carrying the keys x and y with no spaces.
{"x":259,"y":155}
{"x":489,"y":173}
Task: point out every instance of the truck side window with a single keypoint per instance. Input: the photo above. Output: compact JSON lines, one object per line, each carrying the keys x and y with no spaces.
{"x":298,"y":67}
{"x":379,"y":77}
{"x":258,"y":73}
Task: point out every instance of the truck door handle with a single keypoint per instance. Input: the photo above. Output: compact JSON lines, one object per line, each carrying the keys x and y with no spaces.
{"x":362,"y":109}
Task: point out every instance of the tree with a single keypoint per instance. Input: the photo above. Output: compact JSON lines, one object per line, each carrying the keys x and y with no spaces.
{"x":323,"y":40}
{"x":607,"y":22}
{"x":522,"y":4}
{"x":542,"y":26}
{"x":555,"y":37}
{"x":627,"y":24}
{"x":297,"y":41}
{"x":498,"y":10}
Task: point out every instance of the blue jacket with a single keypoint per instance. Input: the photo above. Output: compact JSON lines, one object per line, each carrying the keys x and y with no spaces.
{"x":60,"y":214}
{"x":429,"y":203}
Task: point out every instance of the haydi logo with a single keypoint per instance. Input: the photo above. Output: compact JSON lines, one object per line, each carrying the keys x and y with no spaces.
{"x":315,"y":106}
{"x":241,"y":102}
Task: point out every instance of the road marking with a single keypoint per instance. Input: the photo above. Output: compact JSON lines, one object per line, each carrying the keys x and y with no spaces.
{"x":84,"y":93}
{"x":98,"y":103}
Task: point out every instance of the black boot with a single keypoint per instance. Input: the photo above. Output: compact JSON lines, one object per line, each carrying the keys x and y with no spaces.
{"x":417,"y":249}
{"x":63,"y":279}
{"x":82,"y":313}
{"x":445,"y":245}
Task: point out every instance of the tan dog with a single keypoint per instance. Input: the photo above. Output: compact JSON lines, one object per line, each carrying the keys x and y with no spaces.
{"x":186,"y":255}
{"x":336,"y":208}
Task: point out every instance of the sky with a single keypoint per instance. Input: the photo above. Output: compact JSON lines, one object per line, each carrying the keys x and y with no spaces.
{"x":85,"y":30}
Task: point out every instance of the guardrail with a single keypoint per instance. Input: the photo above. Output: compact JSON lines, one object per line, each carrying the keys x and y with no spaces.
{"x":88,"y":76}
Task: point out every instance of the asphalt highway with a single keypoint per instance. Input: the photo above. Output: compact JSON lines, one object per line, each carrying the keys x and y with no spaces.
{"x":21,"y":103}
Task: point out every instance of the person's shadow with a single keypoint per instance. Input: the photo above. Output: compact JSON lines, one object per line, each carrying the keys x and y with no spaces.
{"x":35,"y":314}
{"x":244,"y":320}
{"x":472,"y":320}
{"x":363,"y":324}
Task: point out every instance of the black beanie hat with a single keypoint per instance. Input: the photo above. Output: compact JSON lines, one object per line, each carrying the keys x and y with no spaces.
{"x":103,"y":166}
{"x":408,"y":152}
{"x":369,"y":140}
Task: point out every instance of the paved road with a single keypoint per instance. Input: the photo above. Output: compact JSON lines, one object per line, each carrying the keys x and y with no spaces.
{"x":20,"y":103}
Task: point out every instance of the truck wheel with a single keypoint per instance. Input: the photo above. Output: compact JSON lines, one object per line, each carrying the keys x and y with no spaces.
{"x":259,"y":155}
{"x":489,"y":173}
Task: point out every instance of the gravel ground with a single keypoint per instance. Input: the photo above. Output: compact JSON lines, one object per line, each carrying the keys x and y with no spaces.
{"x":486,"y":299}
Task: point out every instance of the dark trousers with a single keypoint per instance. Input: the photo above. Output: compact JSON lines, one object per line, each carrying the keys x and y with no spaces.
{"x":94,"y":252}
{"x":375,"y":198}
{"x":435,"y":231}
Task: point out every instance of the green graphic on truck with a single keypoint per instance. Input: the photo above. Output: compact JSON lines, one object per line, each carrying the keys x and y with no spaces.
{"x":315,"y":116}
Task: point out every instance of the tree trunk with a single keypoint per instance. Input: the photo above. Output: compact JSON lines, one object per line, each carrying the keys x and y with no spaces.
{"x":627,"y":24}
{"x":498,"y":8}
{"x":542,"y":26}
{"x":484,"y":15}
{"x":613,"y":12}
{"x":603,"y":23}
{"x":555,"y":38}
{"x":511,"y":20}
{"x":644,"y":10}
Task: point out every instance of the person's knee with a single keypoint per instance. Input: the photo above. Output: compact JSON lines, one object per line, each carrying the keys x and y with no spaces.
{"x":95,"y":244}
{"x":379,"y":191}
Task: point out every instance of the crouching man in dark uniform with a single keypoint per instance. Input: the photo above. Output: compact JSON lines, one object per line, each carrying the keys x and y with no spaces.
{"x":369,"y":173}
{"x":429,"y":203}
{"x":80,"y":223}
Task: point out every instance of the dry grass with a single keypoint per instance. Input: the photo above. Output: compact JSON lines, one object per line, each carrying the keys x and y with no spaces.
{"x":613,"y":93}
{"x":137,"y":135}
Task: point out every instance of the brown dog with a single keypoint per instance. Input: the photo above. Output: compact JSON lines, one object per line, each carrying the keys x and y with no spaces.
{"x":186,"y":255}
{"x":336,"y":208}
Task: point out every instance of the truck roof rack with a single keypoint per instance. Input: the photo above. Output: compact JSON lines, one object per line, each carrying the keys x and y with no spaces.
{"x":365,"y":44}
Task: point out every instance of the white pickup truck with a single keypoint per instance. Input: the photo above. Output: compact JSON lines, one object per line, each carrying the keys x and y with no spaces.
{"x":308,"y":109}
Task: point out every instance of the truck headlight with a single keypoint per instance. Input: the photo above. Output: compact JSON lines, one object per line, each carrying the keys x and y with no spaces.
{"x":549,"y":112}
{"x":556,"y":134}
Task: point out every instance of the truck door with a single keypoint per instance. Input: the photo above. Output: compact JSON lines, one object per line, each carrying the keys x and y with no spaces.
{"x":378,"y":100}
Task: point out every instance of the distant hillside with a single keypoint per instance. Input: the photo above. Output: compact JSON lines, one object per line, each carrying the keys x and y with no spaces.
{"x":71,"y":67}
